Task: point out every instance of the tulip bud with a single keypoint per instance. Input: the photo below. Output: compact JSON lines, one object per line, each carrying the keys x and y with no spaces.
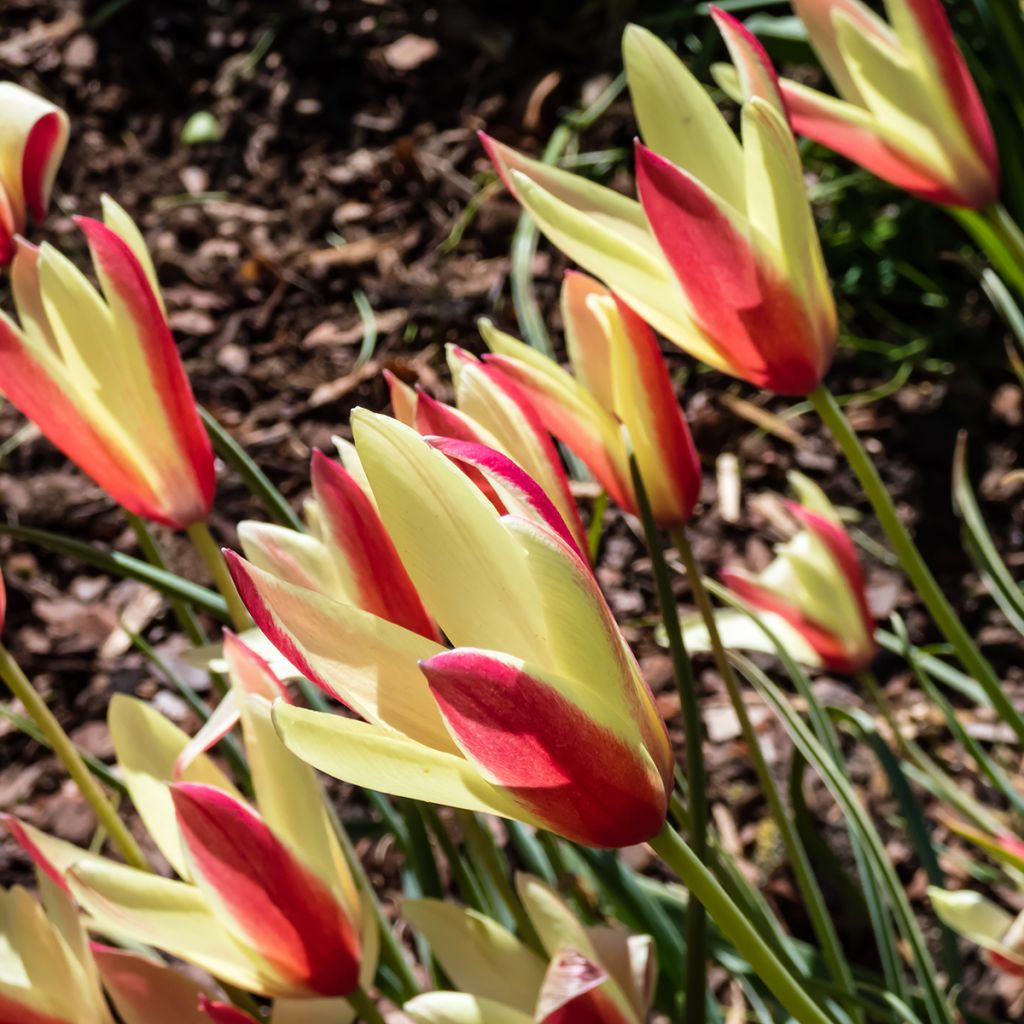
{"x":621,"y":382}
{"x":99,"y":373}
{"x":33,"y":137}
{"x":539,"y":713}
{"x":720,"y":254}
{"x":908,"y":109}
{"x":812,"y":596}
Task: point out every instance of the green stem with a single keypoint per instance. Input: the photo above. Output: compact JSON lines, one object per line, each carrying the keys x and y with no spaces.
{"x":209,"y":551}
{"x":695,"y":1006}
{"x":999,"y":237}
{"x":366,"y":1009}
{"x":910,"y":558}
{"x":60,"y":743}
{"x":821,"y":919}
{"x":190,"y":625}
{"x":705,"y":888}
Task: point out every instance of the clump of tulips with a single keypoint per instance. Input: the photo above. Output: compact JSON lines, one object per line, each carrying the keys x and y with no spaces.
{"x":432,"y":630}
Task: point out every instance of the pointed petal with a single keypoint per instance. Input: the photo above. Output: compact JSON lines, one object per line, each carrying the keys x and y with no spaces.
{"x":519,"y":493}
{"x":819,"y":18}
{"x":223,"y":1013}
{"x":678,"y":118}
{"x":213,"y":730}
{"x":172,"y":916}
{"x":574,"y":775}
{"x":450,"y":539}
{"x":147,"y":991}
{"x":460,"y":1008}
{"x":116,"y":218}
{"x":364,"y":552}
{"x":575,"y":992}
{"x":645,"y":401}
{"x":592,"y":226}
{"x":975,"y":918}
{"x":148,"y":747}
{"x":567,"y":410}
{"x":291,"y":803}
{"x":271,"y":900}
{"x":299,"y":558}
{"x":586,"y":339}
{"x":478,"y":955}
{"x":368,"y":756}
{"x":739,"y":632}
{"x":364,"y":661}
{"x":180,"y":450}
{"x":742,"y":300}
{"x":757,"y":76}
{"x":250,"y":673}
{"x":494,"y":400}
{"x":403,"y":399}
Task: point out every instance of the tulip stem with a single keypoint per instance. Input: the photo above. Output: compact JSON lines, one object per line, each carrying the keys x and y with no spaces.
{"x":708,"y":891}
{"x":209,"y":551}
{"x":821,"y":919}
{"x":1000,"y":238}
{"x":366,"y":1009}
{"x":60,"y":743}
{"x":914,"y":565}
{"x":696,"y":986}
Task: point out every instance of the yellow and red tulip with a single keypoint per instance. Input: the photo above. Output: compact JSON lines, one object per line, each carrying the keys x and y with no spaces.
{"x":492,"y":410}
{"x":998,"y":933}
{"x":720,"y":254}
{"x":33,"y":137}
{"x":908,"y":109}
{"x":264,"y":901}
{"x":596,"y":975}
{"x":99,"y":373}
{"x":620,"y":381}
{"x":812,"y":595}
{"x":539,"y":713}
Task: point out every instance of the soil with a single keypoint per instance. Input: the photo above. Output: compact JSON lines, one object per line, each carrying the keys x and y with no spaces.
{"x":337,"y":159}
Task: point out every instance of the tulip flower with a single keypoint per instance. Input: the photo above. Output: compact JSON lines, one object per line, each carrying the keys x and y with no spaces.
{"x":33,"y":137}
{"x":494,"y":411}
{"x":812,"y":596}
{"x":99,"y":374}
{"x":908,"y":109}
{"x":720,"y":254}
{"x":597,"y":975}
{"x":999,"y":934}
{"x":620,"y":382}
{"x":263,"y":899}
{"x":539,"y":713}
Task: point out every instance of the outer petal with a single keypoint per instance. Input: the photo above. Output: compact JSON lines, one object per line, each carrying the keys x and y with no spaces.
{"x":607,"y":235}
{"x":586,"y":336}
{"x":223,"y":1013}
{"x":450,"y":539}
{"x":756,"y":74}
{"x":272,"y":902}
{"x":979,"y":920}
{"x":518,"y":491}
{"x":577,"y":777}
{"x":365,"y":552}
{"x":678,"y":118}
{"x":299,"y":558}
{"x":181,"y":453}
{"x":148,"y":747}
{"x":460,"y":1008}
{"x":494,"y":399}
{"x":358,"y":658}
{"x":478,"y":955}
{"x":566,"y":409}
{"x":757,"y":323}
{"x":147,"y":991}
{"x":574,"y":992}
{"x":646,"y":403}
{"x":368,"y":756}
{"x":924,"y":26}
{"x":403,"y":399}
{"x":174,"y":917}
{"x":33,"y":138}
